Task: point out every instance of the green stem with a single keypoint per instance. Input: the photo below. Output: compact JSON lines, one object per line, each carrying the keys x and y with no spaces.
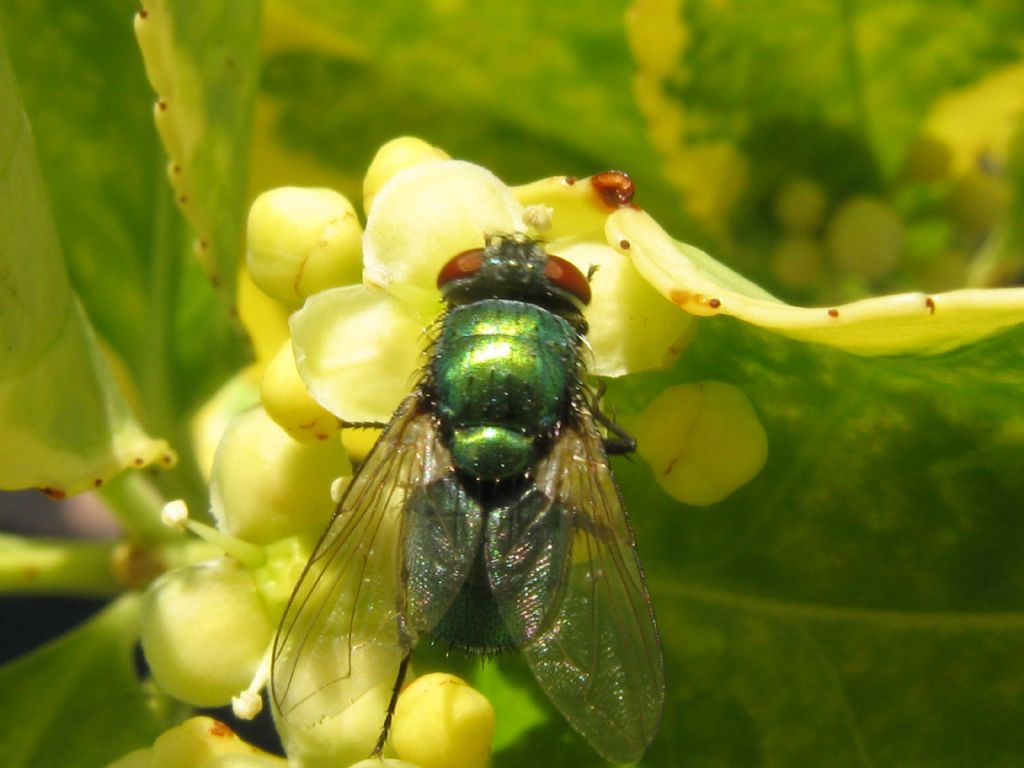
{"x":57,"y":566}
{"x":136,"y":502}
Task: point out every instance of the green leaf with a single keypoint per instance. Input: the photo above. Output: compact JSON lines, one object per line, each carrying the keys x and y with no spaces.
{"x":202,"y":60}
{"x":66,"y":426}
{"x":860,"y":598}
{"x":76,"y":702}
{"x":130,"y":255}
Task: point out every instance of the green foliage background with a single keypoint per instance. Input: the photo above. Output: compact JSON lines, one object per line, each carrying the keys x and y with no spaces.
{"x":861,"y":602}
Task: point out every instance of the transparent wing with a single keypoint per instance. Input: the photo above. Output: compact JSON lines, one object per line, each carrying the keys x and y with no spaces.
{"x":347,"y":626}
{"x":597,"y":655}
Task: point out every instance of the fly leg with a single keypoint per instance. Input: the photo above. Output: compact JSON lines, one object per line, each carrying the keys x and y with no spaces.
{"x":361,"y":424}
{"x":399,"y":678}
{"x":621,"y":441}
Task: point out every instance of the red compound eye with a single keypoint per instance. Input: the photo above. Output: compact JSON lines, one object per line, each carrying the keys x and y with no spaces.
{"x":462,"y":265}
{"x":565,"y":276}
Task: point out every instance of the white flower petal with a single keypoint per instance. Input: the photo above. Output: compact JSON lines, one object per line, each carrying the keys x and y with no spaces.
{"x":632,"y":327}
{"x":358,"y":351}
{"x":428,"y":213}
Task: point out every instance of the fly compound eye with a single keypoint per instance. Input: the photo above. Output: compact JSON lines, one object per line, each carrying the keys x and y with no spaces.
{"x":462,"y":265}
{"x":564,"y":276}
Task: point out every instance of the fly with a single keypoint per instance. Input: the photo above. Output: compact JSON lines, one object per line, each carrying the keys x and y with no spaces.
{"x":486,"y":516}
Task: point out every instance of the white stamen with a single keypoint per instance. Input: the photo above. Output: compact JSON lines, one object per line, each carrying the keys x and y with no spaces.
{"x":247,"y":705}
{"x":538,"y":217}
{"x":174,"y":513}
{"x":249,"y":702}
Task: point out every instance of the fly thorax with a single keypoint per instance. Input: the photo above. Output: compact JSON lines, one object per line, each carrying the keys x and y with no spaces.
{"x":503,"y":372}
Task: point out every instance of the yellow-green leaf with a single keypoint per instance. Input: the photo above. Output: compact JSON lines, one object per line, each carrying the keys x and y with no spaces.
{"x":66,"y":426}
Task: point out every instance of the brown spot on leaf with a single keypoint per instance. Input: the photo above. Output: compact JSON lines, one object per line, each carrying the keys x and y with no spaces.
{"x":680,"y":298}
{"x":715,"y":303}
{"x":833,"y":312}
{"x":625,"y":245}
{"x":569,"y":180}
{"x":930,"y":303}
{"x":54,"y":493}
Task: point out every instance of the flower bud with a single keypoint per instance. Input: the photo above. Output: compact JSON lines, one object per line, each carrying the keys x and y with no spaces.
{"x":288,"y":402}
{"x":797,"y":262}
{"x":205,"y":631}
{"x":865,"y":237}
{"x":302,"y":241}
{"x":441,"y":722}
{"x":800,"y":205}
{"x":267,"y":486}
{"x":701,"y":440}
{"x":396,"y":155}
{"x":200,"y":742}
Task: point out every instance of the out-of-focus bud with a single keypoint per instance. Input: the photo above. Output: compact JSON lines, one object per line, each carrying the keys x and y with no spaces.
{"x":205,"y":631}
{"x":800,"y":205}
{"x":200,"y":742}
{"x":267,"y":486}
{"x":865,"y":237}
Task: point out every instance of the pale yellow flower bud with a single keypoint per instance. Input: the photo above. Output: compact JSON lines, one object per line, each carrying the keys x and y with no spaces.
{"x":441,"y":722}
{"x":205,"y":631}
{"x":200,"y":742}
{"x":701,"y":440}
{"x":267,"y":486}
{"x":396,"y":155}
{"x":302,"y":241}
{"x":288,"y":402}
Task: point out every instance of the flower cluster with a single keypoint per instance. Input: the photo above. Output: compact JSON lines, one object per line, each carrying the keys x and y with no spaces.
{"x":359,"y":302}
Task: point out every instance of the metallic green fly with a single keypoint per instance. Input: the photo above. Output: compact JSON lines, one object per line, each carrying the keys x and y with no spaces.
{"x":487,"y":516}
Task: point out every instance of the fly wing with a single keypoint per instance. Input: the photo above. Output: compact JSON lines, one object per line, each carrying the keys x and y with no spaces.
{"x":598,"y":656}
{"x":348,"y":624}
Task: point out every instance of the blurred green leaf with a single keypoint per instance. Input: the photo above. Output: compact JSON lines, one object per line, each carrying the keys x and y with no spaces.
{"x":130,"y":256}
{"x":837,"y":93}
{"x":76,"y":703}
{"x":66,"y":426}
{"x":523,"y":89}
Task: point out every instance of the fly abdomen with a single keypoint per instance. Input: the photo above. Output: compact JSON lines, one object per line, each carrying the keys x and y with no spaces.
{"x":503,"y":372}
